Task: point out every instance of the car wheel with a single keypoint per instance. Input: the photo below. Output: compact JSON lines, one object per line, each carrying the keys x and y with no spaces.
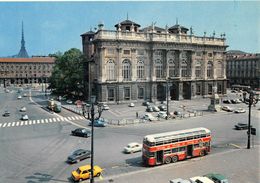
{"x":98,"y":174}
{"x":174,"y":159}
{"x":202,"y":153}
{"x":167,"y":160}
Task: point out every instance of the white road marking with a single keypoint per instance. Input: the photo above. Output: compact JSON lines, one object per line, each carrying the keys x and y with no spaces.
{"x":4,"y":125}
{"x":17,"y":123}
{"x":42,"y":121}
{"x":69,"y":118}
{"x":30,"y":122}
{"x":50,"y":120}
{"x":13,"y":123}
{"x":76,"y":117}
{"x":72,"y":118}
{"x":80,"y":117}
{"x":58,"y":119}
{"x":0,"y":125}
{"x":46,"y":121}
{"x":9,"y":124}
{"x":65,"y":119}
{"x":54,"y":119}
{"x":38,"y":121}
{"x":34,"y":121}
{"x":21,"y":123}
{"x":26,"y":123}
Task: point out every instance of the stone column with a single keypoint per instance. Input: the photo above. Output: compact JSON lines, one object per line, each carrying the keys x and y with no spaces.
{"x":204,"y":67}
{"x":119,"y":65}
{"x":179,"y":63}
{"x":180,"y":91}
{"x":133,"y":65}
{"x":193,"y":63}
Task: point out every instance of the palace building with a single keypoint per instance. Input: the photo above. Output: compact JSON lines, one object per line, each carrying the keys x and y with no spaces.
{"x":132,"y":63}
{"x":22,"y":69}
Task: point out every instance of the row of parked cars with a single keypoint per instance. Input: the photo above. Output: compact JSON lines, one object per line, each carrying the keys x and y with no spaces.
{"x":208,"y":178}
{"x":229,"y":109}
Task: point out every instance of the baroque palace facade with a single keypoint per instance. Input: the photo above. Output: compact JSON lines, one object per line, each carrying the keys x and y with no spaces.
{"x":132,"y":64}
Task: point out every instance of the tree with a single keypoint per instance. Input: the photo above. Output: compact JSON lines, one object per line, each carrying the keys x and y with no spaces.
{"x":67,"y":74}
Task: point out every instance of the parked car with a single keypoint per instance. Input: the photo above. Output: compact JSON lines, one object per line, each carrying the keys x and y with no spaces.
{"x":99,"y":122}
{"x":146,"y":103}
{"x":217,"y":178}
{"x":78,"y":155}
{"x":163,"y":108}
{"x":23,"y":109}
{"x":19,"y":97}
{"x":105,"y":107}
{"x":69,"y":102}
{"x":162,"y":114}
{"x":179,"y":180}
{"x":83,"y":172}
{"x":240,"y":110}
{"x":131,"y":105}
{"x":241,"y":126}
{"x":6,"y":114}
{"x":24,"y":117}
{"x":177,"y":113}
{"x":226,"y":101}
{"x":81,"y":132}
{"x":149,"y":117}
{"x":133,"y":147}
{"x":199,"y":179}
{"x":25,"y":94}
{"x":149,"y":109}
{"x":227,"y":108}
{"x":156,"y":109}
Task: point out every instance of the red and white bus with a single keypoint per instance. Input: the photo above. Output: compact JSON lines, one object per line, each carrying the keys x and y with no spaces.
{"x":164,"y":148}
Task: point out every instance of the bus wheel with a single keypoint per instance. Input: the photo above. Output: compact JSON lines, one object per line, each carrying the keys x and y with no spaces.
{"x":202,"y":153}
{"x":167,"y":160}
{"x":174,"y":159}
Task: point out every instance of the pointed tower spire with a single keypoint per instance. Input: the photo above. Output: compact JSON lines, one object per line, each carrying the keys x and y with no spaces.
{"x":22,"y":53}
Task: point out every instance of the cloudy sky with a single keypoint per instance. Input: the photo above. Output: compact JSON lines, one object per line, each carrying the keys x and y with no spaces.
{"x":56,"y":26}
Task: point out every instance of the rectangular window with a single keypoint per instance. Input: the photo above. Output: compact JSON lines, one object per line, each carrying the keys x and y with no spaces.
{"x":182,"y":148}
{"x":127,"y":93}
{"x":126,"y":52}
{"x":198,"y":89}
{"x":210,"y":54}
{"x":140,"y":52}
{"x":111,"y":94}
{"x":209,"y":89}
{"x":167,"y":151}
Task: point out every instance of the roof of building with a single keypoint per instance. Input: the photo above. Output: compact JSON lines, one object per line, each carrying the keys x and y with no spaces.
{"x":128,"y":22}
{"x":242,"y":56}
{"x":176,"y":26}
{"x":28,"y":60}
{"x":88,"y":33}
{"x":150,"y":28}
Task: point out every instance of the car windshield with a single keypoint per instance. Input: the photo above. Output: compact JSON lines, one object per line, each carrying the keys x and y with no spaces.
{"x":84,"y":130}
{"x":78,"y":171}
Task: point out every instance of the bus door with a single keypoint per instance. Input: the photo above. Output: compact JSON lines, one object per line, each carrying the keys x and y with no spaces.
{"x":189,"y":151}
{"x":159,"y":157}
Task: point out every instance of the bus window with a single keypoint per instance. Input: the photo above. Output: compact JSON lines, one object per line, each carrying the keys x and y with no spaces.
{"x":174,"y":150}
{"x":182,"y":148}
{"x":167,"y":151}
{"x":196,"y":145}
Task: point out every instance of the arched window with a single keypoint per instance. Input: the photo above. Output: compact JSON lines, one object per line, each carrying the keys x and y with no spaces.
{"x":219,"y":69}
{"x":158,"y":69}
{"x":111,"y":70}
{"x":140,"y":70}
{"x":198,"y":69}
{"x":184,"y":69}
{"x":172,"y":68}
{"x":210,"y":69}
{"x":126,"y":70}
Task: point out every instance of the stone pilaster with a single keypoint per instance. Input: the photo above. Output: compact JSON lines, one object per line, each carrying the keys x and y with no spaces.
{"x":193,"y":63}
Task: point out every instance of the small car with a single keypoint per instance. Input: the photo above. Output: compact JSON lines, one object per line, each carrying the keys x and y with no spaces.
{"x":101,"y":122}
{"x":179,"y":180}
{"x":241,"y":126}
{"x":78,"y":155}
{"x":162,"y":114}
{"x":156,"y":109}
{"x":24,"y":117}
{"x":105,"y":107}
{"x":83,"y":172}
{"x":131,"y":105}
{"x":201,"y":179}
{"x":81,"y":132}
{"x":149,"y":109}
{"x":163,"y":108}
{"x":133,"y":147}
{"x":19,"y":97}
{"x":146,"y":103}
{"x":217,"y":178}
{"x":240,"y":110}
{"x":227,"y":108}
{"x":69,"y":102}
{"x":6,"y":114}
{"x":149,"y":117}
{"x":25,"y":94}
{"x":226,"y":101}
{"x":23,"y":109}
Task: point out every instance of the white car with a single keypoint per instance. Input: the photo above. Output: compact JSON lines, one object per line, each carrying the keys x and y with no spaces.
{"x":24,"y":117}
{"x":150,"y":117}
{"x":25,"y":94}
{"x":227,"y":108}
{"x":23,"y":109}
{"x":162,"y":114}
{"x":156,"y":109}
{"x":201,"y":179}
{"x":19,"y":97}
{"x":133,"y":147}
{"x":105,"y":107}
{"x":179,"y":180}
{"x":240,"y":110}
{"x":69,"y":102}
{"x":131,"y":105}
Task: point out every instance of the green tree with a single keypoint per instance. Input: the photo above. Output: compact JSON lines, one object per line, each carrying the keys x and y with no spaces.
{"x":67,"y":74}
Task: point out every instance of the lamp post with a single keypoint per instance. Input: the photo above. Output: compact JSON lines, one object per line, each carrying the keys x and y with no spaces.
{"x":167,"y":96}
{"x":99,"y":112}
{"x":249,"y":101}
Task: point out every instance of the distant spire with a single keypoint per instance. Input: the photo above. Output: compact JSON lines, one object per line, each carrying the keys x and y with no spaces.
{"x":22,"y":53}
{"x":177,"y":21}
{"x":127,"y":16}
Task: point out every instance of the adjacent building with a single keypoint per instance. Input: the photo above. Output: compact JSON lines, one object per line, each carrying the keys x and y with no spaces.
{"x":132,"y":63}
{"x":243,"y":69}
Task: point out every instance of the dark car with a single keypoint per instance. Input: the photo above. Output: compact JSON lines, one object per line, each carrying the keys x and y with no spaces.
{"x":78,"y":155}
{"x":146,"y":103}
{"x":99,"y":122}
{"x":241,"y":126}
{"x":6,"y":114}
{"x":82,"y":132}
{"x":149,"y":109}
{"x":227,"y":101}
{"x":162,"y":108}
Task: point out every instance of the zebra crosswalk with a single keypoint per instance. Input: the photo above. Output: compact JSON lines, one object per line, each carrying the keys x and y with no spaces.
{"x":39,"y":121}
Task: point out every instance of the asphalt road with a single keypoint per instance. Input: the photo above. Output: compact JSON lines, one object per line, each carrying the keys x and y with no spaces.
{"x":36,"y":152}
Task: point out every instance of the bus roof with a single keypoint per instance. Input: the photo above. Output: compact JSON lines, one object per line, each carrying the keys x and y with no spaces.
{"x":175,"y":134}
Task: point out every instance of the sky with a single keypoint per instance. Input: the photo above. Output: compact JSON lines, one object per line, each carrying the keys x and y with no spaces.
{"x":50,"y":27}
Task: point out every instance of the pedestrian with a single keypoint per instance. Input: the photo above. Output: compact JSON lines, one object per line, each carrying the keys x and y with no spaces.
{"x":136,"y":114}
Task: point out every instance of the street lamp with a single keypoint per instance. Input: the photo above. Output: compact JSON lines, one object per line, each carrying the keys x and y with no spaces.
{"x":250,"y":101}
{"x":167,"y":95}
{"x":99,"y":112}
